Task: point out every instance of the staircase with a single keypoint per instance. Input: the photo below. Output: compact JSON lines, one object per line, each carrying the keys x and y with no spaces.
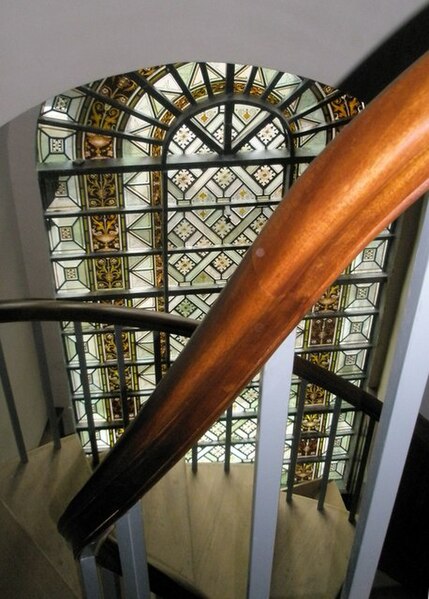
{"x":197,"y":528}
{"x":277,"y":281}
{"x":34,"y":560}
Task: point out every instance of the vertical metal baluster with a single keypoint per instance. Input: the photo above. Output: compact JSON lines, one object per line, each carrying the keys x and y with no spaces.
{"x":46,"y":383}
{"x":11,"y":407}
{"x":361,"y":471}
{"x":157,"y":355}
{"x":329,"y":453}
{"x":109,"y":583}
{"x":167,"y":352}
{"x":357,"y":444}
{"x":407,"y":385}
{"x":296,"y":439}
{"x":89,"y":571}
{"x":86,"y":391}
{"x":228,"y":435}
{"x":130,"y":534}
{"x":270,"y":448}
{"x":195,"y":459}
{"x":121,"y":372}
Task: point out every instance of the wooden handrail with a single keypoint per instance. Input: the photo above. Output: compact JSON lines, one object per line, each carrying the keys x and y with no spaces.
{"x":56,"y":310}
{"x":355,"y":396}
{"x":364,"y":179}
{"x":60,"y":310}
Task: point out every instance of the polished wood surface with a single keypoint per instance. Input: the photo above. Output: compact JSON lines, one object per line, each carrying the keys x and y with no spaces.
{"x":57,"y":310}
{"x":355,"y":396}
{"x":364,"y":179}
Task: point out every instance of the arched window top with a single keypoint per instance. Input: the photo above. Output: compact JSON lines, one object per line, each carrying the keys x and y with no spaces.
{"x":192,"y":107}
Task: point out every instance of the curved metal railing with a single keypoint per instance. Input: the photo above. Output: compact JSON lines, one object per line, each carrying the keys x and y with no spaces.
{"x":136,"y":319}
{"x":57,"y":310}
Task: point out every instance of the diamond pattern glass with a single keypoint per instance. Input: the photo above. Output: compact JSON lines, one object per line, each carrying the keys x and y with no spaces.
{"x":175,"y":187}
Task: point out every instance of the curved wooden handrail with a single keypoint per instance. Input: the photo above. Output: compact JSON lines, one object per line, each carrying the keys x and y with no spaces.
{"x":364,"y":179}
{"x":60,"y":310}
{"x":56,"y":310}
{"x":355,"y":396}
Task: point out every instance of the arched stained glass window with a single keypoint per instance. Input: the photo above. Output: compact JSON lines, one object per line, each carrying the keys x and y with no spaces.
{"x":154,"y":185}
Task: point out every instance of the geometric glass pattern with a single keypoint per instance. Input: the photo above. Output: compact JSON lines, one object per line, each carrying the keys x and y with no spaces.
{"x":154,"y":185}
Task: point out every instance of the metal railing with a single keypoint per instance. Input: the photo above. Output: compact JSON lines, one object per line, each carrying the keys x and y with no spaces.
{"x":373,"y":171}
{"x":354,"y":397}
{"x":103,"y":560}
{"x":52,"y":310}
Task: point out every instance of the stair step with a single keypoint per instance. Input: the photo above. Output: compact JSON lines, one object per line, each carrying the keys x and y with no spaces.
{"x":311,"y":489}
{"x":217,"y":509}
{"x":26,"y":570}
{"x":32,"y":497}
{"x":197,"y":529}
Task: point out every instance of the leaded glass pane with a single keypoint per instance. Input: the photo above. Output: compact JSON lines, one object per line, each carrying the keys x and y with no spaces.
{"x":192,"y":305}
{"x":192,"y":77}
{"x":71,"y":275}
{"x":65,"y":106}
{"x":187,"y":174}
{"x":243,"y":452}
{"x":371,"y":259}
{"x":362,"y":296}
{"x":56,"y":145}
{"x":65,"y":195}
{"x":66,"y":235}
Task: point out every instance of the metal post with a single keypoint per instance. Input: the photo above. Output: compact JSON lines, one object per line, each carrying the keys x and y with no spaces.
{"x":130,"y":535}
{"x":86,"y":391}
{"x":157,"y":355}
{"x":409,"y":377}
{"x":272,"y":421}
{"x":355,"y":450}
{"x":228,"y":436}
{"x":89,"y":571}
{"x":194,"y":458}
{"x":46,"y":383}
{"x":10,"y":403}
{"x":329,"y":453}
{"x":110,"y":583}
{"x":296,"y":438}
{"x":121,"y":373}
{"x":361,"y":471}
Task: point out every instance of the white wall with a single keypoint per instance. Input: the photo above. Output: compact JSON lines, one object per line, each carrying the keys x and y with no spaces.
{"x":48,"y":46}
{"x":17,"y":339}
{"x":33,"y":241}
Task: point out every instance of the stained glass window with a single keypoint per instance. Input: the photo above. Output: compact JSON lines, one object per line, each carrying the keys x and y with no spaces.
{"x":154,"y":184}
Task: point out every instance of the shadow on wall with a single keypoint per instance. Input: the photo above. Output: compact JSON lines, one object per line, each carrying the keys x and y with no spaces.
{"x":392,"y":57}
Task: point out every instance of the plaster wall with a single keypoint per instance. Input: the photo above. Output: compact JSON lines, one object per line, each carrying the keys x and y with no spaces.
{"x":33,"y":237}
{"x":48,"y":46}
{"x":16,"y":340}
